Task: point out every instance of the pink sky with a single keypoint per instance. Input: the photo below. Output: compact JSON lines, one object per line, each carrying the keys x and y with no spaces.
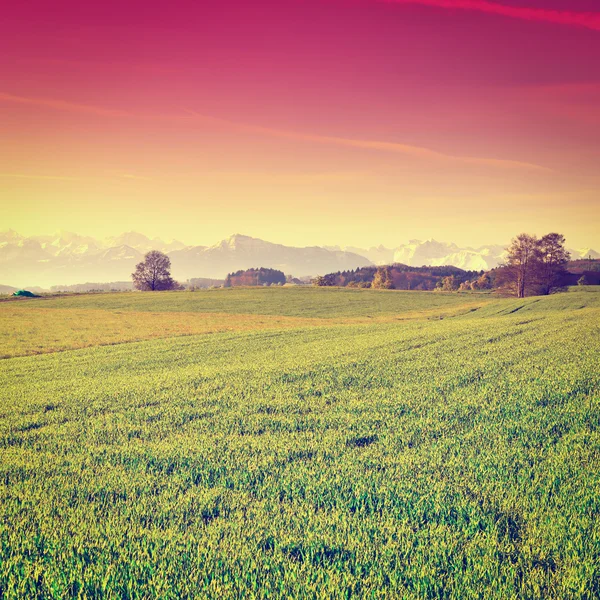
{"x":310,"y":121}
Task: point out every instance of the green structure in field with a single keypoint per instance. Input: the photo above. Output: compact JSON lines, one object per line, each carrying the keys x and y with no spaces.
{"x":25,"y":294}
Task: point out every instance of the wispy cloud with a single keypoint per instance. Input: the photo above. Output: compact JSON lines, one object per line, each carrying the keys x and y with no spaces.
{"x":288,"y":177}
{"x":64,"y":105}
{"x":132,"y":176}
{"x":590,"y":20}
{"x":390,"y":147}
{"x":33,"y":176}
{"x":193,"y":116}
{"x":576,"y":102}
{"x":87,"y":64}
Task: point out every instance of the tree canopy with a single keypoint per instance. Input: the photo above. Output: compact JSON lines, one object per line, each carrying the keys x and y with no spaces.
{"x":153,"y":273}
{"x":534,"y":266}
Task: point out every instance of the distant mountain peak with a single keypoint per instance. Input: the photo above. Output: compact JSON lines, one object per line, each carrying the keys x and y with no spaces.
{"x":129,"y":236}
{"x":238,"y":240}
{"x":10,"y":236}
{"x":238,"y":237}
{"x":585,"y":253}
{"x":143,"y":243}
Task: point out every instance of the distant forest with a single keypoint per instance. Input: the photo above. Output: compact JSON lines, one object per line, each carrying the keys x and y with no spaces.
{"x":533,"y":266}
{"x":404,"y":277}
{"x":260,"y":276}
{"x":397,"y":277}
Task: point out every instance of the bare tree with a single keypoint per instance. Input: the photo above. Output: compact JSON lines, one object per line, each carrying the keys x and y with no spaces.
{"x":583,"y":280}
{"x":553,"y":258}
{"x":153,"y":273}
{"x":522,"y":262}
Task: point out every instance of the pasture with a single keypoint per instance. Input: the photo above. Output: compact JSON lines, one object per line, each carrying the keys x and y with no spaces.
{"x":300,"y":443}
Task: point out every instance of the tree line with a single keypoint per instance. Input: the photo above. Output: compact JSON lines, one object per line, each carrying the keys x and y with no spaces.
{"x":396,"y":276}
{"x":533,"y":266}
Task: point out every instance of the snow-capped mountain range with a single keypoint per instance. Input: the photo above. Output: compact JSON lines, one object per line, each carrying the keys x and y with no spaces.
{"x":417,"y":253}
{"x":67,"y":258}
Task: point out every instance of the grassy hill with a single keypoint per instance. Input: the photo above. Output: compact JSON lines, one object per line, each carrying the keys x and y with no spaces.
{"x":300,"y":442}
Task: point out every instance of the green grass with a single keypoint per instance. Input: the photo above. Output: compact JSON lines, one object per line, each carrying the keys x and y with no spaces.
{"x":429,"y":458}
{"x":290,"y":302}
{"x":60,"y":323}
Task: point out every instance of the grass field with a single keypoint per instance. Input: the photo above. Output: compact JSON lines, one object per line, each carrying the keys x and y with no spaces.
{"x":64,"y":323}
{"x":300,"y":443}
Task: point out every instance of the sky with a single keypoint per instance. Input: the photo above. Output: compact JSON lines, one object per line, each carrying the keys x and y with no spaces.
{"x":303,"y":122}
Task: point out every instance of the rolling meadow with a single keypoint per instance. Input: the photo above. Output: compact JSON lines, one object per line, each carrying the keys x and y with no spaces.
{"x":300,"y":443}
